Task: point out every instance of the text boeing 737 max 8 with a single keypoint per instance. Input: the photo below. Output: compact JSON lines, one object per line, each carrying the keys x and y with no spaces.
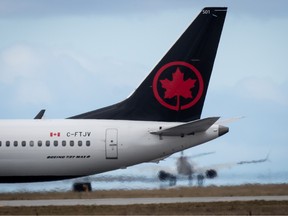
{"x":160,"y":118}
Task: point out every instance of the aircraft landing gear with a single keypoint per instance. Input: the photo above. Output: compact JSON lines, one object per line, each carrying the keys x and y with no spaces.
{"x":200,"y":179}
{"x":82,"y":187}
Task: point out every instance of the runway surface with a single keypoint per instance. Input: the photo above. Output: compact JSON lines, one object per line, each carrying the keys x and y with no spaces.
{"x":132,"y":201}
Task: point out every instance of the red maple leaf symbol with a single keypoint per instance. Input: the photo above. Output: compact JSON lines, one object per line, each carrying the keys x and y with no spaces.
{"x":178,"y":87}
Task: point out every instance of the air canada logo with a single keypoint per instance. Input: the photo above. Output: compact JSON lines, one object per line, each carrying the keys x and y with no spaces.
{"x":178,"y":85}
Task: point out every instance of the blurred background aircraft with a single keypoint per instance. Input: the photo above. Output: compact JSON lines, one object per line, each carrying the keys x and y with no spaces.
{"x":186,"y":168}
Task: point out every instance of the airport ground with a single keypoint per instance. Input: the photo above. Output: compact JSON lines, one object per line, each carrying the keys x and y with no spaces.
{"x":258,"y":207}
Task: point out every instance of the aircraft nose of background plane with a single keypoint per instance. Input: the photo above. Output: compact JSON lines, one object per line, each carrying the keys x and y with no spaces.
{"x":223,"y":130}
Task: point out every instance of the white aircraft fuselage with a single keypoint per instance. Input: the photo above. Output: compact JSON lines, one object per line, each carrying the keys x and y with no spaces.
{"x":59,"y":148}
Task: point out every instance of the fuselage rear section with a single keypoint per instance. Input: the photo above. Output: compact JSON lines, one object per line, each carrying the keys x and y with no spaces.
{"x":39,"y":150}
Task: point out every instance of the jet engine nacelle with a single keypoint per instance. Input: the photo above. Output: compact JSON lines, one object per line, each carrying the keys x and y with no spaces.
{"x":211,"y":173}
{"x":165,"y":176}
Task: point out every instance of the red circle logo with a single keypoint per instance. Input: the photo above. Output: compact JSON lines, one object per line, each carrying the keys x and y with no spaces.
{"x":178,"y":85}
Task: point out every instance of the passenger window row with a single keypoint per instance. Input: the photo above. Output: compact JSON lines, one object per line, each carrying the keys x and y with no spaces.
{"x":46,"y":143}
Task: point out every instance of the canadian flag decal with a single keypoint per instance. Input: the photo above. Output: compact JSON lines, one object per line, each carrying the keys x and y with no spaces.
{"x":54,"y":134}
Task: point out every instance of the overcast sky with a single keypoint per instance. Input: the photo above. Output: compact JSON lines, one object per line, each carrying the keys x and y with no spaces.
{"x":74,"y":56}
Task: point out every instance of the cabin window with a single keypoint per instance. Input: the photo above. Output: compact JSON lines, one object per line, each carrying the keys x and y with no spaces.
{"x":88,"y":143}
{"x":47,"y":143}
{"x":23,"y":143}
{"x":31,"y":143}
{"x":39,"y":143}
{"x":64,"y":143}
{"x":79,"y":143}
{"x":15,"y":143}
{"x":55,"y":143}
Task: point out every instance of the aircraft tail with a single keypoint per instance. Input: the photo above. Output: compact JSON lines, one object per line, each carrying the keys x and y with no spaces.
{"x":176,"y":88}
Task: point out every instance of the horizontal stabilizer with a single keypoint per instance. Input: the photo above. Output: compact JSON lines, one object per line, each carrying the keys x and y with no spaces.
{"x":230,"y":120}
{"x":188,"y":128}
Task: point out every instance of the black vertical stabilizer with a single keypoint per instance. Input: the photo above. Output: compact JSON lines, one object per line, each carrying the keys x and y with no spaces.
{"x":175,"y":89}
